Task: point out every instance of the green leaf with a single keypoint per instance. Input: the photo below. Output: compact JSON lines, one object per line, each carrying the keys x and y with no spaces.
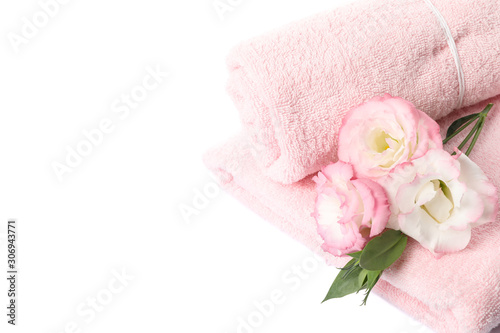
{"x":459,"y":122}
{"x":382,"y":251}
{"x":356,"y":255}
{"x":344,"y":285}
{"x":462,"y":123}
{"x":372,"y":279}
{"x":363,"y":278}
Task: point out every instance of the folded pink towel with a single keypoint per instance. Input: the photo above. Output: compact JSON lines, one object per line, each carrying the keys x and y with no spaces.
{"x":293,"y":86}
{"x":458,"y":293}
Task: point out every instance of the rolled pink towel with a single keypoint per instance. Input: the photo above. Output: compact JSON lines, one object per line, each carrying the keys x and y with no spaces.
{"x":293,"y":86}
{"x":458,"y":293}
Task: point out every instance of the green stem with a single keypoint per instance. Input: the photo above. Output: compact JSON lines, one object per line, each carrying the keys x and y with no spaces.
{"x":350,"y":270}
{"x":476,"y":136}
{"x":487,"y":109}
{"x":467,"y":138}
{"x":460,"y":129}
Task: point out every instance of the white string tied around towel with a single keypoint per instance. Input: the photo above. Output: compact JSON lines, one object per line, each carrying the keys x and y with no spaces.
{"x":454,"y":51}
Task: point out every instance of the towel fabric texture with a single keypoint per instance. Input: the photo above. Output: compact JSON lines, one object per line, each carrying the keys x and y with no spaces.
{"x":294,"y":85}
{"x":458,"y":293}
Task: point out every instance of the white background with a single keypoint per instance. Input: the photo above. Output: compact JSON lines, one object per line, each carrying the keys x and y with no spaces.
{"x":118,"y":210}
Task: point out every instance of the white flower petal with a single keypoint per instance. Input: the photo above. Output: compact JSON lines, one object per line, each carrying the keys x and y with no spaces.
{"x":470,"y":210}
{"x":477,"y":181}
{"x":426,"y":193}
{"x":439,"y":199}
{"x":439,"y":207}
{"x":420,"y":226}
{"x":452,"y":241}
{"x":329,"y":210}
{"x":407,"y":196}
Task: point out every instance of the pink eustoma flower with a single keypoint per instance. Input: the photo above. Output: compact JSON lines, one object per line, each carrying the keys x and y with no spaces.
{"x":348,"y":211}
{"x":384,"y":132}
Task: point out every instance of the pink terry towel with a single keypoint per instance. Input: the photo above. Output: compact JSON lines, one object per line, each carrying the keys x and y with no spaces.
{"x":458,"y":293}
{"x":293,"y":86}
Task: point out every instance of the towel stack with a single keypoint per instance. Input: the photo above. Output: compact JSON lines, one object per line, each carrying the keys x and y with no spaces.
{"x":292,"y":88}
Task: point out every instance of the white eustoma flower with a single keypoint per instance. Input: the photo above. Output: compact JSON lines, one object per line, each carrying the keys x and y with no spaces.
{"x":437,"y":199}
